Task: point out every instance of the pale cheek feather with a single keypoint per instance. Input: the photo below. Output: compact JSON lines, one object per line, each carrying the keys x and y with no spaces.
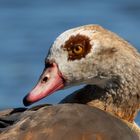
{"x":76,"y":70}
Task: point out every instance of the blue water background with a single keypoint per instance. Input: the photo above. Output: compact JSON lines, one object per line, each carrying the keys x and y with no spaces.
{"x":28,"y":28}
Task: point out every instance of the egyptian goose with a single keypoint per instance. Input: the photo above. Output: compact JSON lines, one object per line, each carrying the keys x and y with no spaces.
{"x":110,"y":68}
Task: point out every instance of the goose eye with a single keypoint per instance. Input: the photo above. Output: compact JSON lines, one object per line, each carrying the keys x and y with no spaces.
{"x":78,"y":49}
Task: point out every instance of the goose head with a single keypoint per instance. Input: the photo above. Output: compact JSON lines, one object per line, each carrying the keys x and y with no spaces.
{"x":90,"y":55}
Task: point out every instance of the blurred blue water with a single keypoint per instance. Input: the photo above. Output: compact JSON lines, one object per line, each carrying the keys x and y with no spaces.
{"x":27,"y":28}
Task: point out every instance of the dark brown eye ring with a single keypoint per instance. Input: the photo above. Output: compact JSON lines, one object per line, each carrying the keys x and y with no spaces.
{"x":77,"y":47}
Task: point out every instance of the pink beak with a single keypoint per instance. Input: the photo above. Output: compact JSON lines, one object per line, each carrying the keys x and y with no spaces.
{"x":50,"y":81}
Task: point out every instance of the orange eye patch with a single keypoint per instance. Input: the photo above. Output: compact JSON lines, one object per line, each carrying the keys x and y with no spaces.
{"x":77,"y":47}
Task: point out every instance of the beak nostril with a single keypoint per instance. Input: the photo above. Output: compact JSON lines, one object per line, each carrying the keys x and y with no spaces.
{"x":45,"y":79}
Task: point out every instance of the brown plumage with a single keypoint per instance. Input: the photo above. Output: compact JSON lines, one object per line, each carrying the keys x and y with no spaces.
{"x":67,"y":121}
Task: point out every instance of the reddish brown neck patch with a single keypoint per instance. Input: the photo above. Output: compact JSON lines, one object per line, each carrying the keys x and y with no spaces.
{"x":77,"y":41}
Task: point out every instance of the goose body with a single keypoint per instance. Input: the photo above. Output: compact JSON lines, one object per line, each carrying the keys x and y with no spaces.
{"x":110,"y":68}
{"x":66,"y":121}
